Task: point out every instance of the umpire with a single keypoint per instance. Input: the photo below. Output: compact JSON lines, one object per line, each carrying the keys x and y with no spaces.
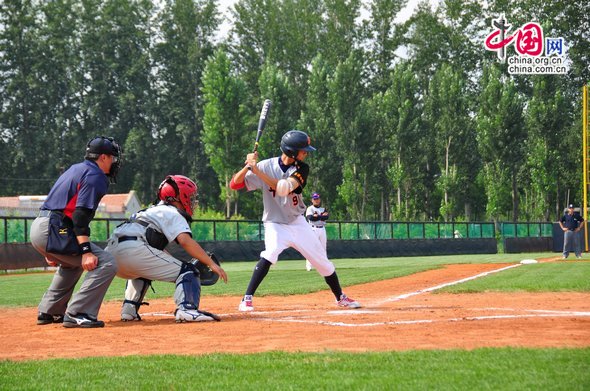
{"x":61,"y":234}
{"x":571,"y":224}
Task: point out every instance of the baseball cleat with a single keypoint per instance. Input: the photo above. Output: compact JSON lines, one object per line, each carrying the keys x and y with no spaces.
{"x":183,"y":315}
{"x":82,"y":321}
{"x":347,"y":302}
{"x":246,"y":306}
{"x":44,"y":318}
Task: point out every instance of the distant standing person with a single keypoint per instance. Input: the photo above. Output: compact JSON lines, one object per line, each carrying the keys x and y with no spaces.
{"x":70,"y":206}
{"x":316,"y":216}
{"x":571,"y":224}
{"x":282,"y":179}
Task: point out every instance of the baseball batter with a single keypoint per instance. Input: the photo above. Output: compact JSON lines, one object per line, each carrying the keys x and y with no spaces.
{"x":138,"y":246}
{"x":316,"y":216}
{"x":282,"y":180}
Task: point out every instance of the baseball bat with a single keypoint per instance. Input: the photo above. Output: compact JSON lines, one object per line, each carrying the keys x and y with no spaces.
{"x":262,"y":121}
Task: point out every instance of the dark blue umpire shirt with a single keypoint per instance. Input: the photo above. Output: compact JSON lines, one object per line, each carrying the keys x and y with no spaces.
{"x":82,"y":185}
{"x":572,"y":221}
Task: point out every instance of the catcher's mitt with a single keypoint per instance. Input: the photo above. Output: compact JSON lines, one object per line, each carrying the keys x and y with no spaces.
{"x":205,"y":274}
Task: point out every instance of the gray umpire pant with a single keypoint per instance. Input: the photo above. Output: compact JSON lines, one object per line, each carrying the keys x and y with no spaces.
{"x":571,"y":242}
{"x":94,"y":287}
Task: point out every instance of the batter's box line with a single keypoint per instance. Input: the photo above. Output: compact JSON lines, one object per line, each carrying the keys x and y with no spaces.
{"x":423,"y":321}
{"x":441,"y":286}
{"x":558,"y":312}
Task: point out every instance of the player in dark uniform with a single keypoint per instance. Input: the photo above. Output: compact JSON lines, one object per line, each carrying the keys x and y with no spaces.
{"x":571,"y":224}
{"x":71,"y":203}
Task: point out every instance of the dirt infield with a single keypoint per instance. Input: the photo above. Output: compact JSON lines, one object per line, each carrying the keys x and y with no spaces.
{"x":399,"y":314}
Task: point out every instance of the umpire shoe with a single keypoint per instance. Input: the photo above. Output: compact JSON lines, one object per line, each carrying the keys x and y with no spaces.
{"x":82,"y":321}
{"x":44,"y":318}
{"x":347,"y":302}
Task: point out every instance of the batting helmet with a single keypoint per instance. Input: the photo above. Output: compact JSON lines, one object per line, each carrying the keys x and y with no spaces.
{"x":179,"y":188}
{"x":294,"y":141}
{"x":108,"y":146}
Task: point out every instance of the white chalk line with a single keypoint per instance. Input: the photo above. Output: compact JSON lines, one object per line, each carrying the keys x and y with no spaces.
{"x":422,"y":321}
{"x":440,"y":286}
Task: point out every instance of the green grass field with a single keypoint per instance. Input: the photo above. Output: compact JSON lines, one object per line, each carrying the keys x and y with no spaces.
{"x":505,"y":368}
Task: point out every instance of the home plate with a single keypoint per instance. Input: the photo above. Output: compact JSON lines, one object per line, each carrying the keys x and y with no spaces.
{"x":528,"y":261}
{"x":354,"y":312}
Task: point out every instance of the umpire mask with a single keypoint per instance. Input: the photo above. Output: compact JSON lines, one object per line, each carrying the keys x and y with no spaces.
{"x":108,"y":146}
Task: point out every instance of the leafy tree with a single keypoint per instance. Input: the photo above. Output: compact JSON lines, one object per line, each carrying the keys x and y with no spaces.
{"x":275,"y":85}
{"x":187,"y":31}
{"x":341,"y":34}
{"x":24,"y":111}
{"x":448,"y":117}
{"x":384,"y":39}
{"x":224,"y":136}
{"x":354,"y":139}
{"x":547,"y":120}
{"x":501,"y":135}
{"x":318,"y":122}
{"x":400,"y":135}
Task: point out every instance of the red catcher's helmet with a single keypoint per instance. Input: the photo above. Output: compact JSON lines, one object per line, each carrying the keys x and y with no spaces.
{"x":179,"y":188}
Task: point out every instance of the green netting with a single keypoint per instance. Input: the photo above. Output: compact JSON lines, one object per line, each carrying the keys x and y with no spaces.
{"x":474,"y":230}
{"x":508,"y":230}
{"x":202,"y":230}
{"x":460,"y":230}
{"x":366,"y":231}
{"x":400,"y":231}
{"x":546,"y":229}
{"x":332,"y":232}
{"x":383,"y":231}
{"x":446,"y":230}
{"x":416,"y":230}
{"x":349,"y":231}
{"x":431,"y":230}
{"x":522,"y":230}
{"x":98,"y":231}
{"x":16,"y":231}
{"x":250,"y":231}
{"x":225,"y":230}
{"x":488,"y":231}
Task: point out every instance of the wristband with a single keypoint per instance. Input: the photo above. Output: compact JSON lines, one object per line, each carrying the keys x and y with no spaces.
{"x":85,"y":248}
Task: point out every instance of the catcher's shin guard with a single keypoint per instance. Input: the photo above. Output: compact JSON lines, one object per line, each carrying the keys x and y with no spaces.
{"x":188,"y":288}
{"x":134,"y":293}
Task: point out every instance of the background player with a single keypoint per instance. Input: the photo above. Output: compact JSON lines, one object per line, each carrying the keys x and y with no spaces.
{"x":282,"y":180}
{"x":316,"y":216}
{"x":571,"y":224}
{"x":72,"y":202}
{"x":138,"y":246}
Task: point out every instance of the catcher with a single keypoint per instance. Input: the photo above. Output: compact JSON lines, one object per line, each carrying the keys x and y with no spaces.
{"x":138,"y":247}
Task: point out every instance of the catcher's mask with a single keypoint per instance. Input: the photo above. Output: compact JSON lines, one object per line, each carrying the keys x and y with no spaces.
{"x":181,"y":189}
{"x":294,"y":141}
{"x":100,"y":145}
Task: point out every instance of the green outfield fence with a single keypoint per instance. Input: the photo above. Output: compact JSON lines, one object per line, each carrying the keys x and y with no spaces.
{"x":16,"y":230}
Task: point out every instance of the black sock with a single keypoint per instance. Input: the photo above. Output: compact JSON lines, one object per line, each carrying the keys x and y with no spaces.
{"x":258,"y":275}
{"x":334,"y":284}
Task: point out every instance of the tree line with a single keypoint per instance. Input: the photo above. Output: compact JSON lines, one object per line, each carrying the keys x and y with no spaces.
{"x":412,"y":120}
